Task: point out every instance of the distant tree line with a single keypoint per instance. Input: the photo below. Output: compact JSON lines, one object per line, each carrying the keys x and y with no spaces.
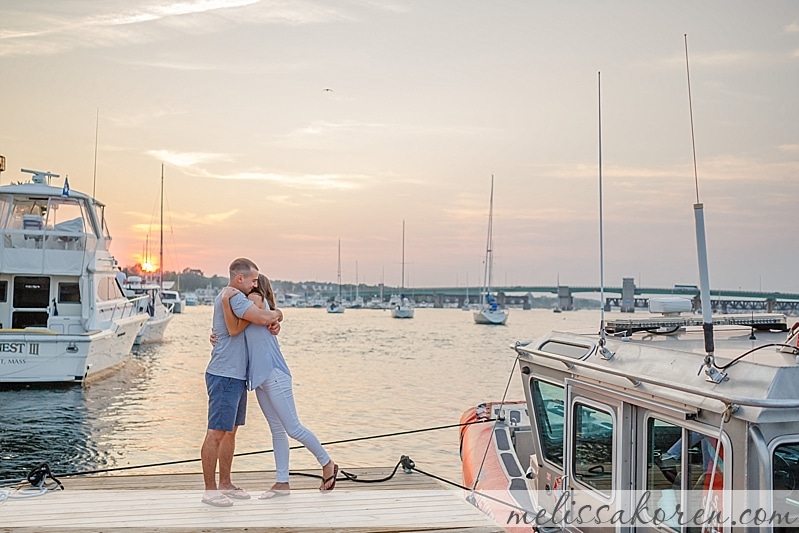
{"x":191,"y":279}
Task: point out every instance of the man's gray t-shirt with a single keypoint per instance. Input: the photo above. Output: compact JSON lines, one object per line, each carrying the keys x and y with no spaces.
{"x":229,"y":355}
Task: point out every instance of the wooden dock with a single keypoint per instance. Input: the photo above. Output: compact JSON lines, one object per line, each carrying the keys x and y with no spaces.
{"x":171,"y":503}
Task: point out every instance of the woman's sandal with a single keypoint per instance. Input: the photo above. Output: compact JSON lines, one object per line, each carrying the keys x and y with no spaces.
{"x":327,"y":480}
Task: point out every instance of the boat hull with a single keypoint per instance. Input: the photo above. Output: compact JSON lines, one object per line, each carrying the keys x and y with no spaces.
{"x":495,"y":317}
{"x":44,"y":356}
{"x":402,"y":312}
{"x":153,"y":330}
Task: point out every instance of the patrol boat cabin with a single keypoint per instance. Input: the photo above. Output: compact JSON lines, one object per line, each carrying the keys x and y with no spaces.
{"x":706,"y":442}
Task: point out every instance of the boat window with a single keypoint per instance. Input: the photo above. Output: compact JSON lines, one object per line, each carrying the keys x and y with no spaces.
{"x":31,"y":292}
{"x":3,"y":291}
{"x":575,"y":351}
{"x":67,"y":216}
{"x":664,"y":467}
{"x":679,"y":459}
{"x":593,"y":448}
{"x":26,"y":211}
{"x":108,"y":289}
{"x":701,"y":465}
{"x":548,"y":405}
{"x":99,"y":211}
{"x":785,"y":479}
{"x":5,"y":205}
{"x":68,"y":293}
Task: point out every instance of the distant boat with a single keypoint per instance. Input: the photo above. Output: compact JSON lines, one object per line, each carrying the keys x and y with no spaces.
{"x":336,"y":306}
{"x":466,"y":304}
{"x":376,"y":303}
{"x":191,"y":299}
{"x":489,"y":311}
{"x":63,"y":316}
{"x":173,"y":300}
{"x":159,"y":314}
{"x":402,"y":308}
{"x":357,"y":303}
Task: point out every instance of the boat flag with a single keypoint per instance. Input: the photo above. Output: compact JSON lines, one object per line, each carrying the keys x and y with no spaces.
{"x":65,"y":190}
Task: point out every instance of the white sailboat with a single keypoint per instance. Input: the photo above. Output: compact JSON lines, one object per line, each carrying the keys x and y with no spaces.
{"x":336,"y":307}
{"x":466,"y":304}
{"x":403,"y":308}
{"x":160,"y":314}
{"x":489,"y":311}
{"x":358,"y":302}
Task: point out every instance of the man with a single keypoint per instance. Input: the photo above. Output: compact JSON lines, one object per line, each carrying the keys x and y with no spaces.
{"x":226,"y":382}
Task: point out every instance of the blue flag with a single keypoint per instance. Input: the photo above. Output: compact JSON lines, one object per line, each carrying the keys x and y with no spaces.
{"x":65,"y":190}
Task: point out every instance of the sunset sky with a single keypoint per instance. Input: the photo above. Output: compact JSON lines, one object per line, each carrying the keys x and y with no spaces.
{"x":284,"y":126}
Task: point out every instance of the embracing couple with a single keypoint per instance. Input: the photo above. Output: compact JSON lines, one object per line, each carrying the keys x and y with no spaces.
{"x":246,"y":355}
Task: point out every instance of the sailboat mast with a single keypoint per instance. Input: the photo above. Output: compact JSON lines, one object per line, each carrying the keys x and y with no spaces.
{"x":161,"y":226}
{"x":339,"y":269}
{"x":489,"y":240}
{"x":402,"y":288}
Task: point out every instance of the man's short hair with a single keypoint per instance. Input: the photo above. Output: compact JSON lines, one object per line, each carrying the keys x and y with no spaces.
{"x":242,"y":265}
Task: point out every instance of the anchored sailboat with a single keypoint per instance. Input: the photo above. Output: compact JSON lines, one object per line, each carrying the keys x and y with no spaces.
{"x":160,"y":315}
{"x":402,"y":308}
{"x":336,"y":306}
{"x":489,"y":311}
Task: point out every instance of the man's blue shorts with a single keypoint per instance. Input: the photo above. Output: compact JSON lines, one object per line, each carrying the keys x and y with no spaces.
{"x":227,"y":402}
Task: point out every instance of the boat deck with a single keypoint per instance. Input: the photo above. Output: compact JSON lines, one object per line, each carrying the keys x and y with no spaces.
{"x":171,"y":502}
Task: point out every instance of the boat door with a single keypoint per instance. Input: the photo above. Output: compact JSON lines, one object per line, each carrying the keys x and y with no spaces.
{"x":30,"y":300}
{"x":600,"y":444}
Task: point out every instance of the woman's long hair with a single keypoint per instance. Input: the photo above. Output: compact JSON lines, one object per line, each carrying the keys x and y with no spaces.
{"x":264,"y":288}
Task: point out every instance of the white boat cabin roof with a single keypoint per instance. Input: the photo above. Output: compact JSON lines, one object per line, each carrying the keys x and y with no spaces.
{"x":760,"y":381}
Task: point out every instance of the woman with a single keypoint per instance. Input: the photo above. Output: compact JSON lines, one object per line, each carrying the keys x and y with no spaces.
{"x":269,"y":375}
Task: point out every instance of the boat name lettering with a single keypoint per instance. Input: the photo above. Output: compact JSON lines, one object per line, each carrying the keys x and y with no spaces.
{"x":13,"y":347}
{"x":12,"y":361}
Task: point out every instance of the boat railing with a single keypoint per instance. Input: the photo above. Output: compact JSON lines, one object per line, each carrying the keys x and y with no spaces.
{"x":112,"y":310}
{"x":726,"y":398}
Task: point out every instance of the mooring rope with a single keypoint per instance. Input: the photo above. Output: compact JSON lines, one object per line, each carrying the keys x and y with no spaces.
{"x":15,"y":482}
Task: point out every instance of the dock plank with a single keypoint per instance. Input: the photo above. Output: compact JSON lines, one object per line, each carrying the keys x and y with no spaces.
{"x":171,"y":502}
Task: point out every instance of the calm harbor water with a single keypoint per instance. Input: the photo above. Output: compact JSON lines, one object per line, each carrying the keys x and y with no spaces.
{"x":357,"y":374}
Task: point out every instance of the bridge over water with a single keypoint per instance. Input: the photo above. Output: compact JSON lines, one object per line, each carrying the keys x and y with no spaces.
{"x":626,"y":297}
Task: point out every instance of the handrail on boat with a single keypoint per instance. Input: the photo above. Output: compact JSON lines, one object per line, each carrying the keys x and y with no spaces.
{"x":131,"y":304}
{"x":638,"y":379}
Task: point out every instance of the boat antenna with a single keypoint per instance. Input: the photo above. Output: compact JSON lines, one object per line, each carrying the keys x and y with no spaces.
{"x":96,"y":137}
{"x":161,"y":227}
{"x":604,"y":351}
{"x":701,"y":244}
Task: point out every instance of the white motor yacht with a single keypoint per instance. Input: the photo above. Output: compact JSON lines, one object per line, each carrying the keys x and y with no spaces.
{"x":173,"y":300}
{"x":63,"y":315}
{"x":159,"y":314}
